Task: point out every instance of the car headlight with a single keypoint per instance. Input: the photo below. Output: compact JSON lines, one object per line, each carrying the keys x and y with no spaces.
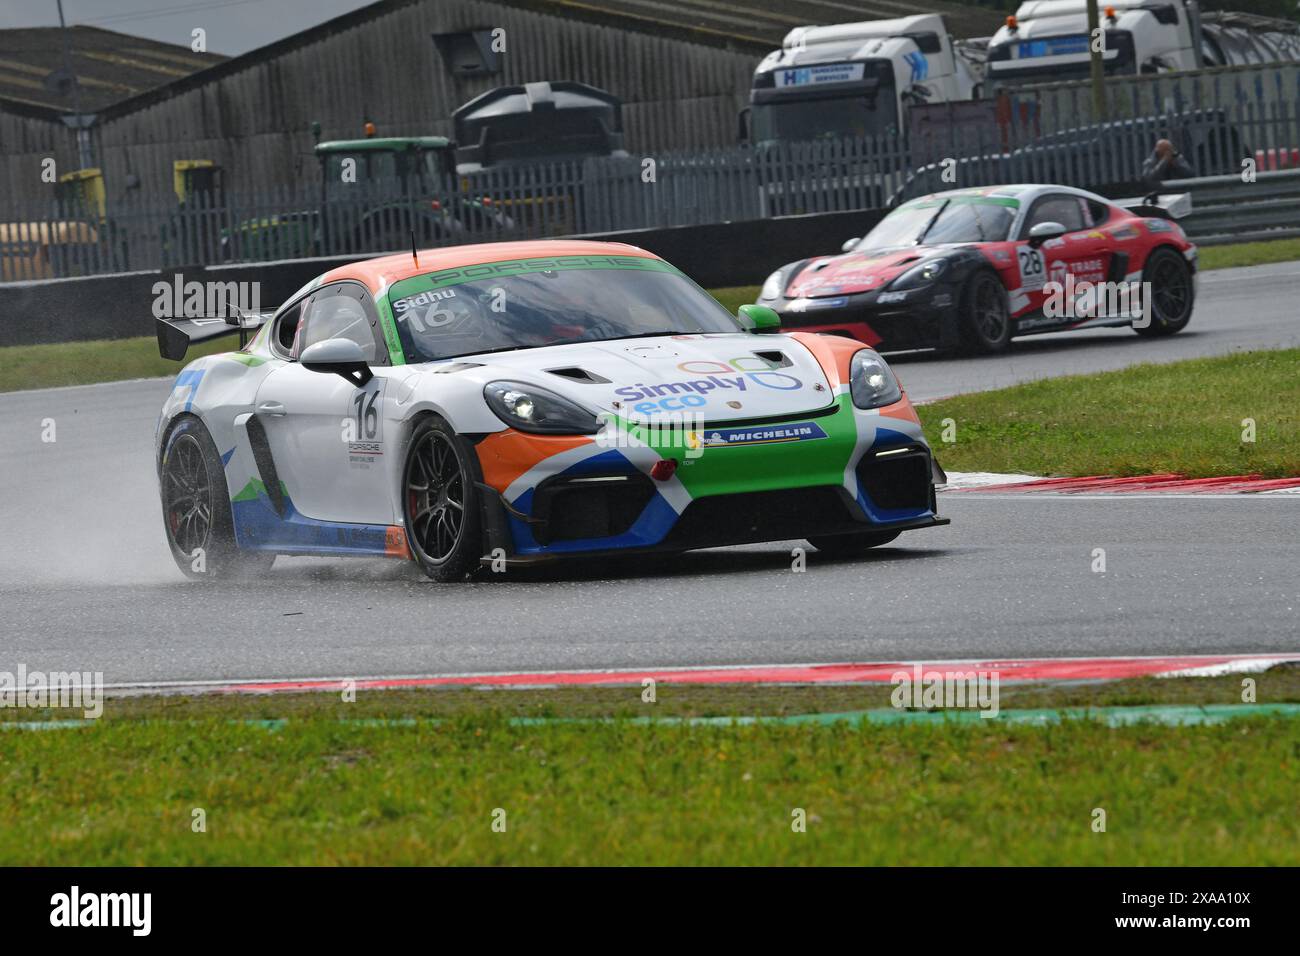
{"x":774,"y":286}
{"x":531,"y":408}
{"x":922,"y":274}
{"x":871,"y":381}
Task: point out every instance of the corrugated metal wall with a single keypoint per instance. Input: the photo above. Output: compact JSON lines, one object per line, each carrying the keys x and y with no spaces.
{"x":256,"y":122}
{"x":24,"y":142}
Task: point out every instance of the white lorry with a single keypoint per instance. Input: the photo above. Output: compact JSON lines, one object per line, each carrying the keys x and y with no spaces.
{"x":858,"y":79}
{"x":1048,"y":40}
{"x":855,"y":79}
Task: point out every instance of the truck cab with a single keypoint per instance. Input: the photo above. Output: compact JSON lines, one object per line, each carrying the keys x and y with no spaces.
{"x":853,"y":80}
{"x":1048,"y":41}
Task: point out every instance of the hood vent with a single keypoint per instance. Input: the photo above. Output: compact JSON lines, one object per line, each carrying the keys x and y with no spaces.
{"x":456,"y":367}
{"x":579,"y":375}
{"x":774,"y":358}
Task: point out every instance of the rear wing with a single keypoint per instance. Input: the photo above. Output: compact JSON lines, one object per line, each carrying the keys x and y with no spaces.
{"x":175,"y":336}
{"x":1156,"y":206}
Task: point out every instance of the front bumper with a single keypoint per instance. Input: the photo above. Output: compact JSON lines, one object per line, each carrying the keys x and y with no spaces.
{"x":885,"y":320}
{"x":675,"y":546}
{"x":838,"y":472}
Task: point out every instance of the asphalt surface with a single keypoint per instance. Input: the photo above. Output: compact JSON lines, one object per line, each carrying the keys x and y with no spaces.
{"x":1010,"y":577}
{"x":86,"y":582}
{"x":1236,"y":310}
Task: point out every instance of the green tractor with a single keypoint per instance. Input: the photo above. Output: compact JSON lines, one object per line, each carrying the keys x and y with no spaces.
{"x":376,"y":194}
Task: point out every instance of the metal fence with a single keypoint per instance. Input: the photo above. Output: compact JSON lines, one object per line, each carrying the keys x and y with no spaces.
{"x":52,"y":239}
{"x":1232,"y":209}
{"x":1262,"y":86}
{"x":1012,"y":144}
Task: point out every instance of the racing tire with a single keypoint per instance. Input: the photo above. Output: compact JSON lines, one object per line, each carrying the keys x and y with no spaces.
{"x":984,"y":318}
{"x":849,"y":544}
{"x":441,"y":502}
{"x":1173,"y":293}
{"x":196,"y":509}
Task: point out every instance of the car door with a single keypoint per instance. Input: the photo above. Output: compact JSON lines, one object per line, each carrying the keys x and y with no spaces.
{"x":1082,"y":253}
{"x":326,"y":434}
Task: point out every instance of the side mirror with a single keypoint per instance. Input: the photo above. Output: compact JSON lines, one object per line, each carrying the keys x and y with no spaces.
{"x":742,"y":126}
{"x":1040,"y":233}
{"x":759,"y":319}
{"x":340,"y":356}
{"x":849,"y":244}
{"x":917,"y":93}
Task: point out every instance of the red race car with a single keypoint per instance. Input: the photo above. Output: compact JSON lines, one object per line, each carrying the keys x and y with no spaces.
{"x":971,"y":268}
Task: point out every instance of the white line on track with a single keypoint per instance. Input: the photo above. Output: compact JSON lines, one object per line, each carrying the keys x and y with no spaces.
{"x":1247,"y":666}
{"x":1218,"y":276}
{"x":73,"y":388}
{"x":1267,"y":659}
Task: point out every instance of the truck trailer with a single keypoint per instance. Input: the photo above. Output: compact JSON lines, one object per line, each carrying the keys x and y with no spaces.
{"x":1048,"y":41}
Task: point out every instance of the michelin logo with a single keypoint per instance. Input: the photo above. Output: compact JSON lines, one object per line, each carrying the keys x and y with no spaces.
{"x":803,"y":431}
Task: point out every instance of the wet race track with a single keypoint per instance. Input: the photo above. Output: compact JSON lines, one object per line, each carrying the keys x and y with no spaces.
{"x":86,"y":582}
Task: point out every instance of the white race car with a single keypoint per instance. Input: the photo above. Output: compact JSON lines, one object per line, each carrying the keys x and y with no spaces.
{"x":513,"y":402}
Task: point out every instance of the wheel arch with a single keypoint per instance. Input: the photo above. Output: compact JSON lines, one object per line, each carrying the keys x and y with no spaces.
{"x":970,"y":270}
{"x":1172,"y":247}
{"x":166,"y":428}
{"x":489,"y":519}
{"x":423,"y":412}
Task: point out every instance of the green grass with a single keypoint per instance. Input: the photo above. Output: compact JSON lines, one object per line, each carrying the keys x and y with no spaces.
{"x":1280,"y":685}
{"x":84,"y":363}
{"x":736,"y":296}
{"x":1249,"y":254}
{"x":1184,"y":417}
{"x":317,"y":790}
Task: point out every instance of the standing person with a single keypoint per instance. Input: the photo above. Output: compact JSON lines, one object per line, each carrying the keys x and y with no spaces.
{"x":1164,"y":163}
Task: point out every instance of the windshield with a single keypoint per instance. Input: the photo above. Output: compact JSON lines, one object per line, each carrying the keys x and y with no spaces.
{"x":406,"y":171}
{"x":529,"y":303}
{"x":1056,"y":59}
{"x":840,"y":117}
{"x":941,"y":220}
{"x":362,"y":166}
{"x":436,"y":163}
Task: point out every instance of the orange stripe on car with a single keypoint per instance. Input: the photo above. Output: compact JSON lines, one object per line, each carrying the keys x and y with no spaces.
{"x":833,"y":353}
{"x":901,"y":409}
{"x":387,"y":270}
{"x":506,"y":455}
